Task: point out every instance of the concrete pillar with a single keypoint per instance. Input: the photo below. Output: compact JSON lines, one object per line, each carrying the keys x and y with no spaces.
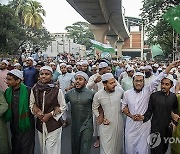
{"x":99,"y":32}
{"x":112,"y":40}
{"x":119,"y":48}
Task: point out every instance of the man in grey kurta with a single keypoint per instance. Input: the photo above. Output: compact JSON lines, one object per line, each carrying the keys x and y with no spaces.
{"x":4,"y":148}
{"x":81,"y":100}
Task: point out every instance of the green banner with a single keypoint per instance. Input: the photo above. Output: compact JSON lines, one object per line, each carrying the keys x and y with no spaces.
{"x":173,"y":17}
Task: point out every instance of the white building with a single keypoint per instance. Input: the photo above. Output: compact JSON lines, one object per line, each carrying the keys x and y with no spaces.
{"x":62,"y":44}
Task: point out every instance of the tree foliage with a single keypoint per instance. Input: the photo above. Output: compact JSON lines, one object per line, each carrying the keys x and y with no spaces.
{"x":30,"y":12}
{"x":14,"y":35}
{"x":80,"y":33}
{"x":157,"y":29}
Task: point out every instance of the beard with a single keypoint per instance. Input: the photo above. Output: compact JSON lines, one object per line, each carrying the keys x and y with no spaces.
{"x":138,"y":90}
{"x":147,"y":74}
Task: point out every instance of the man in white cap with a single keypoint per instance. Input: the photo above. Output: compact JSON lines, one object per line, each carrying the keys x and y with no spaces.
{"x":3,"y":74}
{"x":30,"y":73}
{"x":81,"y":99}
{"x":148,"y":75}
{"x":17,"y":66}
{"x":112,"y":128}
{"x":19,"y":115}
{"x":48,"y":104}
{"x":135,"y":101}
{"x":162,"y":105}
{"x":85,"y":67}
{"x":127,"y":82}
{"x":55,"y":73}
{"x":155,"y":69}
{"x":65,"y":81}
{"x":95,"y":84}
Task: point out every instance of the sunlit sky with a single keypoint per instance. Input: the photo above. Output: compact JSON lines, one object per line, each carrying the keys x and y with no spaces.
{"x":60,"y":14}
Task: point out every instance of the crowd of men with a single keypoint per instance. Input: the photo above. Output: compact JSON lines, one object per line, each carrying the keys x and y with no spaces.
{"x":129,"y":106}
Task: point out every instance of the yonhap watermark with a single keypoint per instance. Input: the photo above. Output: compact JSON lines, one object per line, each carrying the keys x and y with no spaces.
{"x":154,"y":140}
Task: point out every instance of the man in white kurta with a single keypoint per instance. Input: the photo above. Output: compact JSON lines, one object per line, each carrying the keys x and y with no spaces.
{"x":111,"y":132}
{"x":136,"y":132}
{"x":127,"y":82}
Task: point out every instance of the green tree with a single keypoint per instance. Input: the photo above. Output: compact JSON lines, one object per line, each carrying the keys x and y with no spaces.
{"x":12,"y":35}
{"x":30,"y":12}
{"x":80,"y":33}
{"x":157,"y":29}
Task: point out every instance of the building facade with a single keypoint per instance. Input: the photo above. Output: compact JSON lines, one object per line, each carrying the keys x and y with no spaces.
{"x":63,"y":44}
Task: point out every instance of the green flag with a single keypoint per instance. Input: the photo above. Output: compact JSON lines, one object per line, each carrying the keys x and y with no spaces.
{"x":173,"y":17}
{"x":102,"y":47}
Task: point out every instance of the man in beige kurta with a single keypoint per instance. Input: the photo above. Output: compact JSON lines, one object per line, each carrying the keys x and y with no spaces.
{"x":111,"y":130}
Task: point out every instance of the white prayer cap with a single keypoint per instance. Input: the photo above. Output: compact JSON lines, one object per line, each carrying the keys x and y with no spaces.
{"x":46,"y":68}
{"x":130,"y":69}
{"x":127,"y":66}
{"x":78,"y":63}
{"x":164,"y":67}
{"x":148,"y":67}
{"x":170,"y":77}
{"x":52,"y":63}
{"x":141,"y":68}
{"x":103,"y":64}
{"x":138,"y":74}
{"x":159,"y":69}
{"x":69,"y":66}
{"x":17,"y":64}
{"x":34,"y":63}
{"x":17,"y":73}
{"x":156,"y":65}
{"x":63,"y":64}
{"x":107,"y":76}
{"x":5,"y":61}
{"x":83,"y":74}
{"x":30,"y":58}
{"x":178,"y":66}
{"x":94,"y":66}
{"x":85,"y":62}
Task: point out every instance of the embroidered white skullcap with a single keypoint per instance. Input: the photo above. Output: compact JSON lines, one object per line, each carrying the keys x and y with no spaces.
{"x":30,"y":58}
{"x":63,"y":64}
{"x":141,"y":68}
{"x":156,"y":65}
{"x":148,"y":67}
{"x":94,"y":66}
{"x":17,"y":64}
{"x":170,"y":77}
{"x":17,"y":73}
{"x":138,"y":74}
{"x":130,"y":69}
{"x":159,"y":69}
{"x":5,"y":61}
{"x":34,"y":63}
{"x":83,"y":74}
{"x":107,"y":76}
{"x":78,"y":63}
{"x":85,"y":62}
{"x":46,"y":68}
{"x":52,"y":63}
{"x":103,"y":64}
{"x":164,"y":67}
{"x":69,"y":66}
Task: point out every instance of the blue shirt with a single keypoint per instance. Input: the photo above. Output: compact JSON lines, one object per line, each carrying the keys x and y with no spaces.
{"x":55,"y":76}
{"x":30,"y":76}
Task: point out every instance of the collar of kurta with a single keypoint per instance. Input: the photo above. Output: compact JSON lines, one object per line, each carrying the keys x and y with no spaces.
{"x":81,"y":89}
